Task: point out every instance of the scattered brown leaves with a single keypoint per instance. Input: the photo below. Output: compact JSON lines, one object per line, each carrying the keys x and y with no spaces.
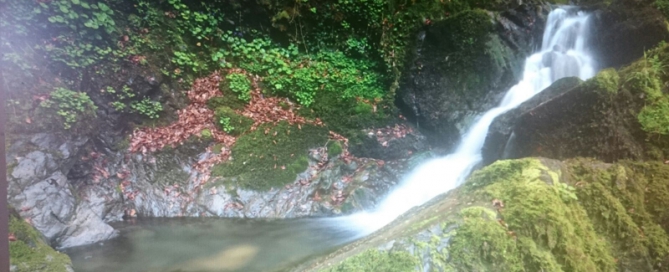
{"x":497,"y":203}
{"x":385,"y":135}
{"x":193,"y":119}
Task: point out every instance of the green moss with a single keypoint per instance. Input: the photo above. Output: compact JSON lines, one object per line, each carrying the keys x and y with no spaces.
{"x":536,"y":210}
{"x":334,"y":149}
{"x":30,"y":252}
{"x":339,"y":116}
{"x":606,"y":80}
{"x":482,"y":244}
{"x":374,"y":260}
{"x":627,"y":204}
{"x":271,"y":156}
{"x":206,"y":134}
{"x":229,"y":99}
{"x":236,"y":125}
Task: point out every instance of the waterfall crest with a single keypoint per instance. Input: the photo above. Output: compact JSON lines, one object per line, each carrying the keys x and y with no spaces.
{"x":564,"y":53}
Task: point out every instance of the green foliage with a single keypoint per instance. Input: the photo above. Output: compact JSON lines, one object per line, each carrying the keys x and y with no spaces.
{"x":663,"y":6}
{"x":373,"y":260}
{"x":231,"y":122}
{"x":646,"y":77}
{"x":30,"y":252}
{"x":271,"y":156}
{"x":147,"y":108}
{"x":70,"y":108}
{"x":124,"y":97}
{"x":241,"y":85}
{"x":224,"y":122}
{"x":301,"y":76}
{"x":84,"y":27}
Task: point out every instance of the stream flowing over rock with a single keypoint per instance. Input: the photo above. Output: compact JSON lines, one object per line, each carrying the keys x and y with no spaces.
{"x":531,"y":214}
{"x":461,"y":67}
{"x":597,"y":118}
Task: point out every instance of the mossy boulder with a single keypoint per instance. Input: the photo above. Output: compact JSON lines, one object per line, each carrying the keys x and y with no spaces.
{"x":618,"y":114}
{"x":532,"y":214}
{"x":30,"y":252}
{"x":461,"y":66}
{"x":271,"y":156}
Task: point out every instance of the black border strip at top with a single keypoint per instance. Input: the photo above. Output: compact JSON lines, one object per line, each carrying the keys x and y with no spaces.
{"x":4,"y":211}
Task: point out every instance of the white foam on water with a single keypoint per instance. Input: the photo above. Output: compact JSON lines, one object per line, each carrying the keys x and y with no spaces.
{"x":564,"y":53}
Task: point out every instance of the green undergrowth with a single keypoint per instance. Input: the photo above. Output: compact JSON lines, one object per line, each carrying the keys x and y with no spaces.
{"x":271,"y":156}
{"x":645,"y":78}
{"x":374,"y":260}
{"x":30,"y":252}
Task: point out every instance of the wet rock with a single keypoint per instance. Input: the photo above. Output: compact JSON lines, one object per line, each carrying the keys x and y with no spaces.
{"x":500,"y":133}
{"x":40,"y":189}
{"x":448,"y":81}
{"x":624,"y":30}
{"x":391,"y":143}
{"x":463,"y":229}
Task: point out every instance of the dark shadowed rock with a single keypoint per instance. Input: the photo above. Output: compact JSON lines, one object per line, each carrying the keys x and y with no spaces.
{"x":624,"y":30}
{"x":461,"y":67}
{"x":503,"y":126}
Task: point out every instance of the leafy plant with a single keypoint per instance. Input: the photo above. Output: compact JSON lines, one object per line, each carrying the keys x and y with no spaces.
{"x":241,"y":85}
{"x":70,"y":107}
{"x":225,"y":124}
{"x":147,"y":108}
{"x":298,"y":76}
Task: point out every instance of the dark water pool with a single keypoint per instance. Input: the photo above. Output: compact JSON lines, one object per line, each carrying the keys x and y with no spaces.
{"x":188,"y":244}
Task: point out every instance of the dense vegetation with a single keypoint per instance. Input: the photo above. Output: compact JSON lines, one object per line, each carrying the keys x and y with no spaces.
{"x":77,"y":64}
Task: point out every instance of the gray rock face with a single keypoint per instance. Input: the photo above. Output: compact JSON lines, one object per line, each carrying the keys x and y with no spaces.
{"x":70,"y":193}
{"x":337,"y":188}
{"x":40,"y":190}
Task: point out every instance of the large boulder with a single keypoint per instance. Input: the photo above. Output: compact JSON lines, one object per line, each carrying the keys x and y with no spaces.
{"x":40,"y":189}
{"x":462,"y":66}
{"x":532,"y":214}
{"x":500,"y":131}
{"x":615,"y":115}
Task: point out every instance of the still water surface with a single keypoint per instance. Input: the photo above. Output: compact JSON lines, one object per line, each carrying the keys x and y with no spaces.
{"x":188,"y":244}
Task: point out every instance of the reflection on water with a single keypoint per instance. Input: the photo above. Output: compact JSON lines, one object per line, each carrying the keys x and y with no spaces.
{"x":191,"y":244}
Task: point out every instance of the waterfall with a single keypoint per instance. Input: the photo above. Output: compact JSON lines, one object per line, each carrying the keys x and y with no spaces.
{"x":564,"y":53}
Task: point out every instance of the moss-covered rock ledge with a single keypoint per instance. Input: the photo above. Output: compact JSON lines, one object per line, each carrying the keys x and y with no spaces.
{"x":530,"y":214}
{"x":29,"y":252}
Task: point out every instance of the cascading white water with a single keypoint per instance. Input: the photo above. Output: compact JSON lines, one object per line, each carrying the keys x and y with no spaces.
{"x":563,"y":54}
